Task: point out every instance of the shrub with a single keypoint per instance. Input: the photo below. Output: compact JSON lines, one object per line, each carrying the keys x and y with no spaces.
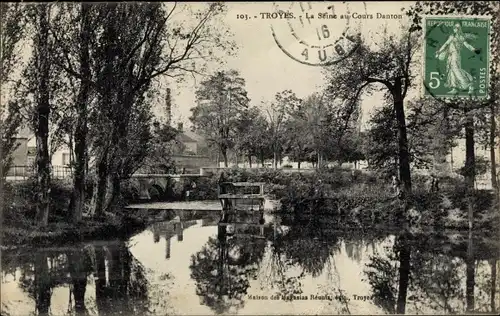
{"x":206,"y":189}
{"x":21,"y":201}
{"x":129,"y":192}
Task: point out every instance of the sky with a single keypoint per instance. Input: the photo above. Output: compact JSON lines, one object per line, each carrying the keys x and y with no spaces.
{"x":266,"y":68}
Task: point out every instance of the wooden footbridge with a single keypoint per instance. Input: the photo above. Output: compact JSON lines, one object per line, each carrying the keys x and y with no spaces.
{"x":240,"y":200}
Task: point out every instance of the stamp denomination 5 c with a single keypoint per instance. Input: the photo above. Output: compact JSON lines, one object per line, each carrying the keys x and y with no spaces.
{"x":456,"y":60}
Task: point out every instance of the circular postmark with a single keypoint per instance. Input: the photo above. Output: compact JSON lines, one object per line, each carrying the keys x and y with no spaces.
{"x":316,"y":33}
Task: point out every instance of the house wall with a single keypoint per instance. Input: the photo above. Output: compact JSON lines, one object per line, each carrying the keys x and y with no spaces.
{"x":191,"y":163}
{"x":59,"y":158}
{"x":191,"y":147}
{"x":19,"y":156}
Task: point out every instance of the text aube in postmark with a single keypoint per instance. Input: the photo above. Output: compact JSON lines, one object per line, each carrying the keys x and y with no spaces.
{"x":456,"y":57}
{"x":315,"y":33}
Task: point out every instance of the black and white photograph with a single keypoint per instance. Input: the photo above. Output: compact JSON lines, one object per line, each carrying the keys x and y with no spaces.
{"x":250,"y":158}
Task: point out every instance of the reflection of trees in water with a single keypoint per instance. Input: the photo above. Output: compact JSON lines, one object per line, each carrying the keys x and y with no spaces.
{"x":275,"y":276}
{"x":120,"y":283}
{"x":223,"y":268}
{"x":437,"y":282}
{"x":436,"y":278}
{"x":309,"y":245}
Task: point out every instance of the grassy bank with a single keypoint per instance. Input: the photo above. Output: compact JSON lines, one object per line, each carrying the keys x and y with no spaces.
{"x":361,"y":199}
{"x":20,"y":228}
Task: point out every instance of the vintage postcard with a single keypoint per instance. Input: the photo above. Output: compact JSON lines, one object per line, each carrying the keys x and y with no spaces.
{"x":250,"y":158}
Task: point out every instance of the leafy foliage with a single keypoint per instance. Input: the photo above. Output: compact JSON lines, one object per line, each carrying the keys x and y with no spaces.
{"x":221,"y":100}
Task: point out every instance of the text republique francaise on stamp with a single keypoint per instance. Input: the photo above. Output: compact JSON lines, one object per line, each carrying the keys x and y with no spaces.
{"x":456,"y":55}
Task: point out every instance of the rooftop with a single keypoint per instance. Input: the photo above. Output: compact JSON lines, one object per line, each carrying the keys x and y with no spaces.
{"x":185,"y":138}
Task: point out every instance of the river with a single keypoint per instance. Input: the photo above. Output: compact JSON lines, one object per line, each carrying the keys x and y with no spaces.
{"x":190,"y":265}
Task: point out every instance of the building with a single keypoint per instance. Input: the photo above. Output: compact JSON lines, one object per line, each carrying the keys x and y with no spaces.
{"x":191,"y":155}
{"x":189,"y":144}
{"x":24,"y":156}
{"x":20,"y":154}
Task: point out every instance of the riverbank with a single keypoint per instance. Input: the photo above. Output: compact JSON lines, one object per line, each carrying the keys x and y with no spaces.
{"x":353,"y":199}
{"x":60,"y":233}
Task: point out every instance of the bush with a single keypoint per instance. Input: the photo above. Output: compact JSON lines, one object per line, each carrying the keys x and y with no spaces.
{"x":206,"y":189}
{"x":129,"y":192}
{"x":20,"y":201}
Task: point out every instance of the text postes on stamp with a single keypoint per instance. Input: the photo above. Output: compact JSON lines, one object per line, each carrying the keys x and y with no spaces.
{"x":456,"y":61}
{"x":315,"y":33}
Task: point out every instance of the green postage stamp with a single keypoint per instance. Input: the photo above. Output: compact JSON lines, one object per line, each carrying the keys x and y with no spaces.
{"x":456,"y":57}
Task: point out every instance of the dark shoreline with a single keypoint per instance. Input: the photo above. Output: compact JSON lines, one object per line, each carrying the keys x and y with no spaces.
{"x":123,"y":227}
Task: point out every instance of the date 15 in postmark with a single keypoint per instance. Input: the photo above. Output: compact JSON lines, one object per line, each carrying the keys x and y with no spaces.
{"x":456,"y":57}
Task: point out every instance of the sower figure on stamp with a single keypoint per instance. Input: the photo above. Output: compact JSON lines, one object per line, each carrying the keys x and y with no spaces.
{"x":457,"y":78}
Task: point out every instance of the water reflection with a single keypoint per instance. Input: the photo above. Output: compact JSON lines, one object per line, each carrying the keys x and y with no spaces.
{"x":296,"y":265}
{"x":435,"y":273}
{"x":223,"y":268}
{"x":118,"y":278}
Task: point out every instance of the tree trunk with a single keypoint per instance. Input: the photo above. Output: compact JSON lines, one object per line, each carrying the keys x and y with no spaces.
{"x":78,"y":267}
{"x":250,"y":161}
{"x":298,"y":164}
{"x":470,"y":166}
{"x":275,"y":159}
{"x":262,"y":158}
{"x":470,"y":278}
{"x":81,"y":121}
{"x":42,"y":116}
{"x":100,"y":189}
{"x":493,"y":290}
{"x":42,"y":284}
{"x":403,"y":152}
{"x":224,"y":156}
{"x":101,"y":290}
{"x":113,"y":191}
{"x":470,"y":159}
{"x":404,"y":274}
{"x":493,"y":131}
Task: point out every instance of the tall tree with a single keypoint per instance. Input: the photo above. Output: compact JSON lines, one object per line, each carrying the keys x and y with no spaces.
{"x":389,"y":66}
{"x":251,"y":131}
{"x":221,"y":101}
{"x":125,"y":68}
{"x":298,"y":144}
{"x":278,"y":115}
{"x":74,"y":28}
{"x":40,"y":75}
